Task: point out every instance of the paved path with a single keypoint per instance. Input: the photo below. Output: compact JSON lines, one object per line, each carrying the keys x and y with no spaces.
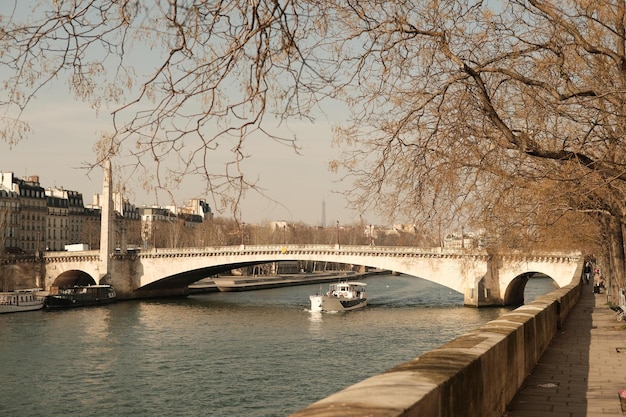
{"x":582,"y":370}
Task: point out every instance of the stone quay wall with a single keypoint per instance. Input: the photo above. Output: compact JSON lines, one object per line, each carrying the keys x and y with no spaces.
{"x":476,"y":374}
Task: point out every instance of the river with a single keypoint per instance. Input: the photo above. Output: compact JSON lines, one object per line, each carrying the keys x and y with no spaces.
{"x":253,"y":354}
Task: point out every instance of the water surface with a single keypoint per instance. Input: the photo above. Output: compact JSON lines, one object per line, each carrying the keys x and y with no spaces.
{"x":257,"y":354}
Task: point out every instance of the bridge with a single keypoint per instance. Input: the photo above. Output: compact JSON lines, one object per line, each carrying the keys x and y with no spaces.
{"x":484,"y":279}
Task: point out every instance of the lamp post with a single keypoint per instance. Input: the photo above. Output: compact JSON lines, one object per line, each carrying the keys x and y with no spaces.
{"x":462,"y":237}
{"x":154,"y":229}
{"x":337,"y":232}
{"x":243,"y":226}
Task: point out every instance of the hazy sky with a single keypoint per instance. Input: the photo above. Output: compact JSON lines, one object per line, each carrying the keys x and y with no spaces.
{"x":65,"y":131}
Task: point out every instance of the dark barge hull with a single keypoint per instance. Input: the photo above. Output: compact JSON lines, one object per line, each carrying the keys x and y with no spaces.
{"x":80,"y":297}
{"x":56,"y":302}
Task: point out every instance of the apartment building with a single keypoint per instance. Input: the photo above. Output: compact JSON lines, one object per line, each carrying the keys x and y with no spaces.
{"x":57,"y":221}
{"x":33,"y":219}
{"x":9,"y":220}
{"x":32,"y":207}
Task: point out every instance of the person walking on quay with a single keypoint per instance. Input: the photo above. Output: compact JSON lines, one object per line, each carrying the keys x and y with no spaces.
{"x":596,"y":281}
{"x":587,"y":271}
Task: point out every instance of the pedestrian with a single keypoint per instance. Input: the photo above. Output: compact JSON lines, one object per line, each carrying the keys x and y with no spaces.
{"x":596,"y":282}
{"x":587,"y":271}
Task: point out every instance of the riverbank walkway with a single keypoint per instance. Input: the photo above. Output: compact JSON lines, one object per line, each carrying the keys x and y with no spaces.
{"x":583,"y":369}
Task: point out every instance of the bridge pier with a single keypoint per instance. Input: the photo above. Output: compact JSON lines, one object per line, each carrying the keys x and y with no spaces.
{"x":482,"y":296}
{"x":486,"y":291}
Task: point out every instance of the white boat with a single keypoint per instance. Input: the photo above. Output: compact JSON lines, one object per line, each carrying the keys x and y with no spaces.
{"x":20,"y":300}
{"x":341,"y":296}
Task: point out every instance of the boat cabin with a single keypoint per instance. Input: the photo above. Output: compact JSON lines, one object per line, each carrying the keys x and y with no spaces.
{"x":346,"y":289}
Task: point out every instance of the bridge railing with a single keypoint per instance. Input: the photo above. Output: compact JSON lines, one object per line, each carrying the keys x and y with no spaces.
{"x":278,"y":247}
{"x":71,"y":254}
{"x":361,"y":250}
{"x":358,"y":250}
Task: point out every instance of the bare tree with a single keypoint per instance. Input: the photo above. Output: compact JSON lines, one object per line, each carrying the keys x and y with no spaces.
{"x":207,"y":77}
{"x":472,"y":108}
{"x":509,"y":114}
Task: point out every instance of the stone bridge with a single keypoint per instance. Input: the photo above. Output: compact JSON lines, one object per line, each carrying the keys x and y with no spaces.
{"x":484,"y":279}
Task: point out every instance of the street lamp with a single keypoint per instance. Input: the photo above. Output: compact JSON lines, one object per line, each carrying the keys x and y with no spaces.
{"x":337,"y":232}
{"x":243,"y":226}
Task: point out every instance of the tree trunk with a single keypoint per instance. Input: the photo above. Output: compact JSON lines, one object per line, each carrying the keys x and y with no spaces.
{"x":615,"y":279}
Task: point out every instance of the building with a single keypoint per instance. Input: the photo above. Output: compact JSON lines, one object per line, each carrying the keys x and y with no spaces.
{"x":76,"y":214}
{"x":121,"y":206}
{"x":197,"y":207}
{"x":193,"y":211}
{"x":32,"y":210}
{"x":57,"y":224}
{"x":90,"y":233}
{"x":279,"y":225}
{"x":153,"y":220}
{"x":462,"y":241}
{"x":66,"y":218}
{"x":34,"y":219}
{"x":172,"y":226}
{"x":9,"y":221}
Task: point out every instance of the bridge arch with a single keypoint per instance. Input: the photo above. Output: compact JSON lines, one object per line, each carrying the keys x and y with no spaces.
{"x":194,"y":274}
{"x":73,"y":277}
{"x":170,"y":268}
{"x":514,"y":293}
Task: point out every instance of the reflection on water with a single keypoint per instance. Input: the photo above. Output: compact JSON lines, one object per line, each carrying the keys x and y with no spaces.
{"x":253,"y":354}
{"x":315,"y":322}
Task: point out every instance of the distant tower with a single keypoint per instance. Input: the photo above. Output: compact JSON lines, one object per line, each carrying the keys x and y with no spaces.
{"x":323,"y":213}
{"x":106,"y":222}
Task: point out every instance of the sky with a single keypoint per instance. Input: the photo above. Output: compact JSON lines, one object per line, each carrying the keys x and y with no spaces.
{"x":64,"y":132}
{"x":299,"y":187}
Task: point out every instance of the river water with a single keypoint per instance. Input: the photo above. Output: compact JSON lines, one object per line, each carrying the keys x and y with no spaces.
{"x":257,"y":354}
